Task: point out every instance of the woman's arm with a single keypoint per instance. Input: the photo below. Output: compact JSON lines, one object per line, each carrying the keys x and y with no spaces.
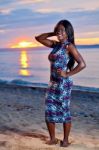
{"x":43,"y":39}
{"x":78,"y":58}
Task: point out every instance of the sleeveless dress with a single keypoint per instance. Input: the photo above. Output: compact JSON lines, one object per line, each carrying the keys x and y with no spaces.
{"x":58,"y":94}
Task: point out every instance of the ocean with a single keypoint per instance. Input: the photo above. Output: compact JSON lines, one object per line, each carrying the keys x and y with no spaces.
{"x":29,"y":66}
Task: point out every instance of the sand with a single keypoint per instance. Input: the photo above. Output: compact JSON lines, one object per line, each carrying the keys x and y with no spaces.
{"x":22,"y":124}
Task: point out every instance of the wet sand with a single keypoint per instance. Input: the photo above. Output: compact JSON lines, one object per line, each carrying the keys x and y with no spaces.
{"x":22,"y":124}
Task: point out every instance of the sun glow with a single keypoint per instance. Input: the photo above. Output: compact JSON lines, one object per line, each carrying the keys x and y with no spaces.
{"x":28,"y":44}
{"x":24,"y":44}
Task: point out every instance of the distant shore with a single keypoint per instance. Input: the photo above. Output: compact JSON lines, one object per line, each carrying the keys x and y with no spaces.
{"x":22,"y":124}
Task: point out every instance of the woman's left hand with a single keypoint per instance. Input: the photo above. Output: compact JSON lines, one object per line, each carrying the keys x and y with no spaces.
{"x":62,"y":73}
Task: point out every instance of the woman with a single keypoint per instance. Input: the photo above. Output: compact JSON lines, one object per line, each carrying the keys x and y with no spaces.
{"x":62,"y":59}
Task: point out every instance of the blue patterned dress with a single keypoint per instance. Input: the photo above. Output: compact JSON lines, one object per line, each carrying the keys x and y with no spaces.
{"x":57,"y":99}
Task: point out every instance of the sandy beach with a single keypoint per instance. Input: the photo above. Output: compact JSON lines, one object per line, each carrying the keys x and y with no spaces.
{"x":22,"y":124}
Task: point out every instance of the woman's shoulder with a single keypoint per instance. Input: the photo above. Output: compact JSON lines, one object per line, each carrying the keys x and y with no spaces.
{"x":69,"y":45}
{"x":55,"y":44}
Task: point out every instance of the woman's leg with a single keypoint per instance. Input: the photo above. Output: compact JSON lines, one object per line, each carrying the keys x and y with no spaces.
{"x":51,"y":129}
{"x":66,"y":128}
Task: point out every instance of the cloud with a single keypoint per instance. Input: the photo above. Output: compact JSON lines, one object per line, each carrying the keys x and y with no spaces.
{"x":6,"y":2}
{"x":2,"y":31}
{"x":32,"y":1}
{"x":20,"y":4}
{"x":49,"y":5}
{"x":27,"y":17}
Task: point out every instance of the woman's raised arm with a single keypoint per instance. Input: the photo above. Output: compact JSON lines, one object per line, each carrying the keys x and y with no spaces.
{"x":43,"y":39}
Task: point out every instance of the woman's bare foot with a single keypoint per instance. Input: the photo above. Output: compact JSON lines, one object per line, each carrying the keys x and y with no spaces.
{"x":52,"y":142}
{"x":64,"y":143}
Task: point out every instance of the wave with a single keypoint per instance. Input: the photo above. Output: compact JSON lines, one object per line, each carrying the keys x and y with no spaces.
{"x":45,"y":85}
{"x":20,"y":82}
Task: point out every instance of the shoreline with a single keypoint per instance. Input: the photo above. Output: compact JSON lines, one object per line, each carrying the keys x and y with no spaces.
{"x":44,"y":85}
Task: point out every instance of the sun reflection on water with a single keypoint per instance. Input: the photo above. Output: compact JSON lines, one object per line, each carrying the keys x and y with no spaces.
{"x":24,"y":64}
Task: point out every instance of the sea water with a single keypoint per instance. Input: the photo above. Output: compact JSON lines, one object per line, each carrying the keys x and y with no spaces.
{"x":27,"y":66}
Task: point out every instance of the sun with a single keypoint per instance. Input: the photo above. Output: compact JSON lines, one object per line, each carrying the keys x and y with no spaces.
{"x":25,"y":44}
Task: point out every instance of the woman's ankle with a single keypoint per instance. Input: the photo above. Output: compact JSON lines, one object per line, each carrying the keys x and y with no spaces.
{"x":66,"y":140}
{"x":53,"y":139}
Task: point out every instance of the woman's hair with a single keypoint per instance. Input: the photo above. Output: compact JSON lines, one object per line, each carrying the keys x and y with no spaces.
{"x":70,"y":33}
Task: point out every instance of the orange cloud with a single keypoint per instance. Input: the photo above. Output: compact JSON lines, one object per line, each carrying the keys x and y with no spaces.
{"x":87,"y":41}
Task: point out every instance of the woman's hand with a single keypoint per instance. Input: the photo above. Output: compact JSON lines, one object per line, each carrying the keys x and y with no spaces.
{"x":62,"y":73}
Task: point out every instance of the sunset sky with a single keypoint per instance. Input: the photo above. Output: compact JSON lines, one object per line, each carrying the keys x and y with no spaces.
{"x":22,"y":20}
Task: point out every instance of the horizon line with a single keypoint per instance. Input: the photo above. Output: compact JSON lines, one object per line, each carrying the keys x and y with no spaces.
{"x":46,"y":46}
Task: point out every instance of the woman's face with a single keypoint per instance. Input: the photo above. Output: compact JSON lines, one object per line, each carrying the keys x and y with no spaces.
{"x":61,"y":33}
